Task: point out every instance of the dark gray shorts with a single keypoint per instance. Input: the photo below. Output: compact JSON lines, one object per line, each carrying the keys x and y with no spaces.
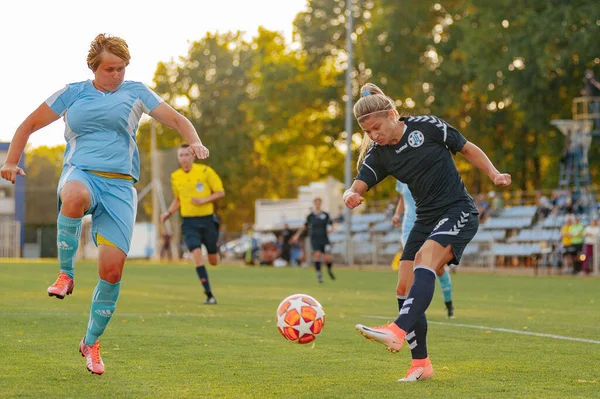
{"x":456,"y":227}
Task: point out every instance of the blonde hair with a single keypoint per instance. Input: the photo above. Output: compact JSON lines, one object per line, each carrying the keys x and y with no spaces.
{"x":110,"y":44}
{"x":372,"y":101}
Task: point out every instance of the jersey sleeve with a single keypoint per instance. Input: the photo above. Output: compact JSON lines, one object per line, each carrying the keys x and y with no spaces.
{"x":214,"y":181}
{"x":372,"y":170}
{"x":399,"y":186}
{"x":307,"y":222}
{"x":450,"y":137}
{"x":148,"y":97}
{"x":60,"y":101}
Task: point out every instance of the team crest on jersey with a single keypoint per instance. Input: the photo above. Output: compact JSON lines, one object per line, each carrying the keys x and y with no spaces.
{"x":199,"y":187}
{"x":416,"y":139}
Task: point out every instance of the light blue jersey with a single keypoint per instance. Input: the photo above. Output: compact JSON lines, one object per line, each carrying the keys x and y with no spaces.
{"x":410,"y":210}
{"x":101,"y":126}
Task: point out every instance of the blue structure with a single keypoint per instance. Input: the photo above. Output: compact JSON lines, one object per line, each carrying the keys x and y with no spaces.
{"x":18,"y":195}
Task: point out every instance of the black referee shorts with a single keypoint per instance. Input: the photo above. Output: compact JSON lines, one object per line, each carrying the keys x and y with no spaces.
{"x":456,"y":227}
{"x":201,"y":230}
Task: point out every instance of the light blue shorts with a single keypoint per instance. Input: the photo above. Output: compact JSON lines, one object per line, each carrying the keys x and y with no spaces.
{"x":113,"y":207}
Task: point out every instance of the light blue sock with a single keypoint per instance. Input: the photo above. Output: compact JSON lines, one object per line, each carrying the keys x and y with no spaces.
{"x":67,"y":241}
{"x":104,"y":302}
{"x":446,"y":284}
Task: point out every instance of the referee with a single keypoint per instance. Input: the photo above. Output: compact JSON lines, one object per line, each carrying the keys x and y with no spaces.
{"x":195,"y":188}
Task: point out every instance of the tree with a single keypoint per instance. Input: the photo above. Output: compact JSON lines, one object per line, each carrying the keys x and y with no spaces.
{"x":43,"y":168}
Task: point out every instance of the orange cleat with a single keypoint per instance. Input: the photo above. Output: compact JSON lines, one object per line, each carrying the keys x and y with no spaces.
{"x":389,"y":335}
{"x":62,"y":287}
{"x":420,"y":369}
{"x":92,"y":357}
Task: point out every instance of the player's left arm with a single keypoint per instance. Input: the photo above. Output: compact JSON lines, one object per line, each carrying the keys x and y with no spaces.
{"x":480,"y":160}
{"x":456,"y":142}
{"x":330,"y":227}
{"x":167,"y":115}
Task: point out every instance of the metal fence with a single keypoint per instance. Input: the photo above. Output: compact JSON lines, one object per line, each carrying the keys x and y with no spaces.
{"x":10,"y":239}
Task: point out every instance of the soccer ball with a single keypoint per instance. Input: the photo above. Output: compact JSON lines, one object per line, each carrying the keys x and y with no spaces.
{"x":300,"y":318}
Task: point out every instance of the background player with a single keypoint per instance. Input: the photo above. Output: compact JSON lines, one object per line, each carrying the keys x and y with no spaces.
{"x":319,"y":225}
{"x":195,"y":188}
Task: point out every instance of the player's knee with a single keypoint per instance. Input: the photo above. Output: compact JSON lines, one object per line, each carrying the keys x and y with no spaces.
{"x":111,"y":274}
{"x":213,"y":259}
{"x":75,"y":198}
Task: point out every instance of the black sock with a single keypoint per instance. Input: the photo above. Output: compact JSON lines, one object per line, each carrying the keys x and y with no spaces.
{"x":448,"y":305}
{"x":418,"y":300}
{"x":318,"y":269}
{"x":203,"y":276}
{"x":400,"y":302}
{"x":417,"y":338}
{"x":329,"y":265}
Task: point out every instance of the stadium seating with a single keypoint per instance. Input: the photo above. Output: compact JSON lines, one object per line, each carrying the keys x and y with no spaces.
{"x":489,"y":235}
{"x":507,"y":223}
{"x":501,"y":239}
{"x":518,"y":212}
{"x":536,"y":235}
{"x":516,"y":249}
{"x":393,"y":236}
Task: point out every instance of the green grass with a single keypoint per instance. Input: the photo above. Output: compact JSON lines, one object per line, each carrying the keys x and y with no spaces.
{"x":162,"y":342}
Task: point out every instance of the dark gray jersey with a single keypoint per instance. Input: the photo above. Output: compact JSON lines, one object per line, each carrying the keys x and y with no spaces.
{"x":317,"y":224}
{"x":423,"y":160}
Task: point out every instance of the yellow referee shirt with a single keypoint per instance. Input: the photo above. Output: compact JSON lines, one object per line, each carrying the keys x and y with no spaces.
{"x":200,"y":182}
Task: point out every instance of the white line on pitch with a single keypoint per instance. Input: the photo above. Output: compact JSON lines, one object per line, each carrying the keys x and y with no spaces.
{"x":169,"y":314}
{"x":589,"y":341}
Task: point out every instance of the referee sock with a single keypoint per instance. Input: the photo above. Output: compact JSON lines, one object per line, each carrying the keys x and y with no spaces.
{"x":419,"y":298}
{"x":203,"y":276}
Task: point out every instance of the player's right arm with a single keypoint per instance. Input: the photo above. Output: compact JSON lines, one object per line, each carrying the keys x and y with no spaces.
{"x":175,"y":204}
{"x":301,"y":230}
{"x":353,"y":197}
{"x":399,"y":212}
{"x":42,"y":116}
{"x":370,"y":173}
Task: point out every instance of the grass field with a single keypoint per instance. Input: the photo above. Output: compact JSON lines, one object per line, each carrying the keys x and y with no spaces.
{"x":162,"y":342}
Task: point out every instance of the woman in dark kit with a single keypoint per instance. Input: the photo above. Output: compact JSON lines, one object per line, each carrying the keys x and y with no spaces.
{"x":418,"y":151}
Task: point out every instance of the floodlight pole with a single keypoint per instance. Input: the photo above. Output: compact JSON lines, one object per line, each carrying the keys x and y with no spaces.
{"x":154,"y":179}
{"x":348,"y":127}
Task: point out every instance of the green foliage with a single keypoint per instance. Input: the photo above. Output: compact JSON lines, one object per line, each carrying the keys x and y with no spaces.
{"x":273,"y":114}
{"x":43,"y":168}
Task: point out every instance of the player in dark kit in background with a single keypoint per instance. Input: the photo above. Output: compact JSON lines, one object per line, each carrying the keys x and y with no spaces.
{"x":418,"y":151}
{"x":285,"y":237}
{"x":319,"y":225}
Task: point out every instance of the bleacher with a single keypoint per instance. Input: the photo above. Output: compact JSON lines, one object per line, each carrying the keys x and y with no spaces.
{"x":507,"y":238}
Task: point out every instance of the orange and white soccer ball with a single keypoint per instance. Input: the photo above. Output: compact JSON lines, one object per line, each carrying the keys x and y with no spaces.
{"x":300,"y":318}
